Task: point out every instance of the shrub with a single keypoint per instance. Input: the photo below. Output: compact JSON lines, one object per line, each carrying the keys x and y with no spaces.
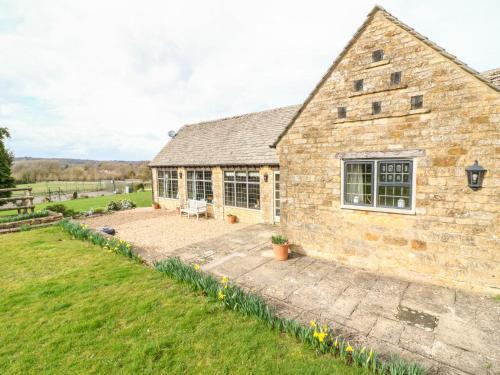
{"x":114,"y":206}
{"x":62,"y":209}
{"x":124,"y":204}
{"x":75,"y":195}
{"x":127,"y":204}
{"x":279,"y":240}
{"x":24,"y":228}
{"x":31,"y":215}
{"x":139,"y":187}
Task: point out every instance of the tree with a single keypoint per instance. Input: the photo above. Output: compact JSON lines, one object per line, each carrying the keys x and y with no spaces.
{"x":6,"y":161}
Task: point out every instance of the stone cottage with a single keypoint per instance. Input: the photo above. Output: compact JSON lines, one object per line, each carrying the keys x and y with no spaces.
{"x":370,"y":170}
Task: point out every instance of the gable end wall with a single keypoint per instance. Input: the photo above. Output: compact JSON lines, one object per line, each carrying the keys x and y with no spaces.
{"x":453,"y":239}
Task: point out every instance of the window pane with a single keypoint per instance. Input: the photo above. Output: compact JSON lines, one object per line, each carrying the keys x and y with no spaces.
{"x":394,"y":189}
{"x":358,"y":183}
{"x":254,"y":196}
{"x":229,"y":176}
{"x":199,"y":175}
{"x":209,"y":195}
{"x":200,"y":190}
{"x":241,"y":176}
{"x":208,"y":175}
{"x":229,"y":194}
{"x":253,"y":176}
{"x":161,"y":173}
{"x":241,"y":195}
{"x":394,"y":197}
{"x":174,"y":188}
{"x":190,"y":189}
{"x":161,"y":187}
{"x":190,"y":175}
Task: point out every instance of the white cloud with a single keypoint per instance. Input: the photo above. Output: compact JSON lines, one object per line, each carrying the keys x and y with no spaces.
{"x":108,"y":79}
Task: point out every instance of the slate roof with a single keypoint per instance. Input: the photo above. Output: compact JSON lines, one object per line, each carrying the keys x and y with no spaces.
{"x":239,"y":140}
{"x":493,"y":75}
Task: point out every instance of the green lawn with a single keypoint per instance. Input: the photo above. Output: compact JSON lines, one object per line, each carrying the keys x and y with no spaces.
{"x":70,"y":307}
{"x":142,"y":199}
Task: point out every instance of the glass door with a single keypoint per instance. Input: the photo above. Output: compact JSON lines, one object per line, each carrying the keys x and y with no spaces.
{"x":277,"y":206}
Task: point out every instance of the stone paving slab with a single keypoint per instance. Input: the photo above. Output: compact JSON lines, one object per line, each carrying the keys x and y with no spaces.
{"x":448,"y":331}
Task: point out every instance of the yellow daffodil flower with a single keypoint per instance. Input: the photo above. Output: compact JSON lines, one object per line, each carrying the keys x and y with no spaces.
{"x":225,"y":280}
{"x":349,"y":349}
{"x":197,"y":267}
{"x":312,"y":323}
{"x":221,"y":295}
{"x":321,"y":336}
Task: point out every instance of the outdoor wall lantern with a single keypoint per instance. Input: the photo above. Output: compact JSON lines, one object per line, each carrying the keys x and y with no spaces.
{"x":475,"y":175}
{"x":180,"y":175}
{"x":266,"y":177}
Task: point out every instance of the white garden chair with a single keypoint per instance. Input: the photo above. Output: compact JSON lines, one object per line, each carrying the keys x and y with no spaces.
{"x":195,"y":207}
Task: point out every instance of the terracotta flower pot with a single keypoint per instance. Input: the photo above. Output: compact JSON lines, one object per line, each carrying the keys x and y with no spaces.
{"x":280,"y":251}
{"x":231,"y":219}
{"x":156,"y":206}
{"x":177,"y":210}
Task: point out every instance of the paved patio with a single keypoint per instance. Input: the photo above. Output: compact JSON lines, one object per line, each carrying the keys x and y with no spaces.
{"x":448,"y":331}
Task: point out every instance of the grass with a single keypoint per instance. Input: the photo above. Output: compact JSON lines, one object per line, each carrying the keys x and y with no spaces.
{"x":29,"y":215}
{"x":69,"y":306}
{"x":40,"y":188}
{"x":142,"y":199}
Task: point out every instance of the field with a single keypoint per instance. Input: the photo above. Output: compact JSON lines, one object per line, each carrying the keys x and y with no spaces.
{"x":68,"y":187}
{"x":42,"y":188}
{"x":70,"y":307}
{"x":142,"y":199}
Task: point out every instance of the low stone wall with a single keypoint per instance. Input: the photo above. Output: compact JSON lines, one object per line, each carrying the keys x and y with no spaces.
{"x":38,"y":222}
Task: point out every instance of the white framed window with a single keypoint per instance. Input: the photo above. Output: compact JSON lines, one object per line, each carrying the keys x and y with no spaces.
{"x":199,"y":185}
{"x":168,"y":183}
{"x":242,"y":189}
{"x":386,"y":185}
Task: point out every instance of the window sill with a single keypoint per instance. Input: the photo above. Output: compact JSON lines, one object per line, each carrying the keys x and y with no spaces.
{"x":385,"y":115}
{"x":243,"y":208}
{"x":376,"y":64}
{"x":419,"y":111}
{"x":378,"y":209}
{"x":387,"y":88}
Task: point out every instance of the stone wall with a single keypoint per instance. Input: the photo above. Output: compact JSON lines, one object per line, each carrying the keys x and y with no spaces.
{"x":217,"y":208}
{"x":453,"y":237}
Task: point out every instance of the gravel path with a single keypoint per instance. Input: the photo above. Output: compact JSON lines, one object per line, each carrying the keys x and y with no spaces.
{"x":159,"y":232}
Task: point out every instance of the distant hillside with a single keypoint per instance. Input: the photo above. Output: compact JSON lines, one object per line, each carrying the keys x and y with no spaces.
{"x":29,"y":170}
{"x":75,"y":161}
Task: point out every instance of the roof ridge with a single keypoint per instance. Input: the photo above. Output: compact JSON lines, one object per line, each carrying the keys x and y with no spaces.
{"x":241,"y":115}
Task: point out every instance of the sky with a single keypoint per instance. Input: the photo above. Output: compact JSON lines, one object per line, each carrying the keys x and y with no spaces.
{"x":108,"y":79}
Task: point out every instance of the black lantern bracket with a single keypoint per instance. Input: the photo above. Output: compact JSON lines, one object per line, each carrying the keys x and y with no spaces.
{"x":475,"y":176}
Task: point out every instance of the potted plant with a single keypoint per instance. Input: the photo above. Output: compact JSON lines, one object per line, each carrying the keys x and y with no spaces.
{"x":156,"y":205}
{"x":178,"y":210}
{"x":231,"y":219}
{"x":280,"y":247}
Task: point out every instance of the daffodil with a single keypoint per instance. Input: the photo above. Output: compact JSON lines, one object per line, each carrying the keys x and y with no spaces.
{"x":196,"y":267}
{"x":336,"y":343}
{"x":312,"y":323}
{"x":221,"y":295}
{"x":349,"y":348}
{"x":225,"y":280}
{"x":370,"y":355}
{"x":321,"y":336}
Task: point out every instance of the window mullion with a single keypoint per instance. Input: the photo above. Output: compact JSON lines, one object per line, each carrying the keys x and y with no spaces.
{"x":375,"y":184}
